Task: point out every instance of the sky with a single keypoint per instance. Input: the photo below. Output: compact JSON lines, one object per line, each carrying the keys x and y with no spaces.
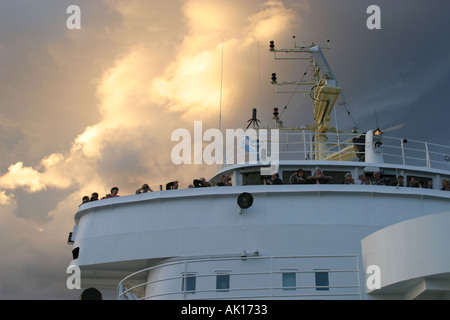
{"x":83,"y":110}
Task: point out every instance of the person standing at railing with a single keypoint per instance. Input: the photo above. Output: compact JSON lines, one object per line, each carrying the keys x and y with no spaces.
{"x":319,"y":177}
{"x":400,"y":181}
{"x":413,"y":183}
{"x":114,"y":193}
{"x":363,"y":180}
{"x":298,"y":177}
{"x":84,"y":200}
{"x":349,"y":179}
{"x":274,"y":180}
{"x":226,"y":181}
{"x":377,"y":179}
{"x":94,"y":196}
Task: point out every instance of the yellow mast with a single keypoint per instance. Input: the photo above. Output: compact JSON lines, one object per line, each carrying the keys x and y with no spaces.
{"x":325,"y":91}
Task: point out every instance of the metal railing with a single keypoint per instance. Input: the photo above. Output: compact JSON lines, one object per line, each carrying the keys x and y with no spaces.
{"x":257,"y":278}
{"x":303,"y":145}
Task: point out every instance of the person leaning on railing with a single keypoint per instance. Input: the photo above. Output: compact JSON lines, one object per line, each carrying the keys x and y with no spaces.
{"x":275,"y":179}
{"x":319,"y":177}
{"x":145,"y":188}
{"x":173,"y":185}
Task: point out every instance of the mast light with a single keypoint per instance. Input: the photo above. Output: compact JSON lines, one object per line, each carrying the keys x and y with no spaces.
{"x":275,"y":113}
{"x":274,"y":78}
{"x":272,"y":46}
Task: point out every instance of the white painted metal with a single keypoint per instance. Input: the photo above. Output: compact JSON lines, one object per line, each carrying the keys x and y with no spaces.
{"x":413,"y":258}
{"x":119,"y":236}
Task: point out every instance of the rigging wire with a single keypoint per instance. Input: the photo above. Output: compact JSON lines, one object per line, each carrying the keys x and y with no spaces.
{"x":350,"y":115}
{"x":295,"y":91}
{"x":312,"y":97}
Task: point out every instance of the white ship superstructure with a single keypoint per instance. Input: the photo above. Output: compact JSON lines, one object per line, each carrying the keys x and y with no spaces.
{"x":313,"y":240}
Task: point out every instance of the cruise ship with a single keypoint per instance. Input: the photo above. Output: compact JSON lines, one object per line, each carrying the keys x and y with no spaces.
{"x":339,"y":215}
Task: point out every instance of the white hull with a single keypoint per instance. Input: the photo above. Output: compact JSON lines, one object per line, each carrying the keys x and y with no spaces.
{"x":119,"y":236}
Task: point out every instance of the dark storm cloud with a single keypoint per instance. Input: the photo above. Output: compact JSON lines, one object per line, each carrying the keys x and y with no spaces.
{"x":84,"y":110}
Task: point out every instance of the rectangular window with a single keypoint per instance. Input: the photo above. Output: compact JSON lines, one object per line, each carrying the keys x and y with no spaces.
{"x":188,"y":284}
{"x":252,"y":178}
{"x":322,"y":280}
{"x":289,"y":280}
{"x":223,"y":282}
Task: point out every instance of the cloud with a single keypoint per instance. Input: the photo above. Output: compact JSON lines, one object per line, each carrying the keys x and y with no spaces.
{"x":143,"y":96}
{"x":33,"y":180}
{"x":196,"y":82}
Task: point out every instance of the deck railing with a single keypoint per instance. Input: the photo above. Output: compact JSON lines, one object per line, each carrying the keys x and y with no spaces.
{"x":303,"y":145}
{"x":258,"y":278}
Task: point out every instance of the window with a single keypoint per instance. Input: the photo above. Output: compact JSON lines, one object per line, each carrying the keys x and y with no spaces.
{"x":188,"y":283}
{"x":252,"y":178}
{"x":338,"y":176}
{"x":289,"y":280}
{"x":322,"y":280}
{"x":223,"y":282}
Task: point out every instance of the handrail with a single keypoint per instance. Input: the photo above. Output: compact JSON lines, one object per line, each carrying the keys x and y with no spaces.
{"x":266,"y":289}
{"x":302,"y":145}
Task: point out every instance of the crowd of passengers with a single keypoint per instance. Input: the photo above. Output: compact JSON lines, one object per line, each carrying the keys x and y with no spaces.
{"x":320,"y":178}
{"x":297,"y":178}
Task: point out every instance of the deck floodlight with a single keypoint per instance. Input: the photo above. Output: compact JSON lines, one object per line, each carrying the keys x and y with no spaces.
{"x":245,"y":200}
{"x":377,"y":132}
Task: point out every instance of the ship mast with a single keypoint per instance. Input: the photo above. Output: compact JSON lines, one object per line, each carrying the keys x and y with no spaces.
{"x":325,"y":90}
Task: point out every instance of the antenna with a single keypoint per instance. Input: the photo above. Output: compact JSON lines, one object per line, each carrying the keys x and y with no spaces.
{"x":220,"y":110}
{"x":259,"y":79}
{"x":376,"y":118}
{"x":221,"y":89}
